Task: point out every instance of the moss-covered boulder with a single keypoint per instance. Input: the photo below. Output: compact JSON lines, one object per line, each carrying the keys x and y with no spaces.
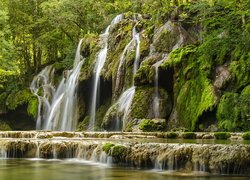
{"x":151,"y":125}
{"x":143,"y":103}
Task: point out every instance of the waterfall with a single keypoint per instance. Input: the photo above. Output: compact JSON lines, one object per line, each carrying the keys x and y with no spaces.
{"x":57,"y":109}
{"x":100,"y":60}
{"x":125,"y":100}
{"x":43,"y":81}
{"x":156,"y":85}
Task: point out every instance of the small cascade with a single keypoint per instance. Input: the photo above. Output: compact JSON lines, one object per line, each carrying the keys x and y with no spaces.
{"x":135,"y":41}
{"x":124,"y":103}
{"x":209,"y":158}
{"x":100,"y":60}
{"x":37,"y":149}
{"x":126,"y":98}
{"x":43,"y":82}
{"x":156,"y":85}
{"x":3,"y":151}
{"x":57,"y":109}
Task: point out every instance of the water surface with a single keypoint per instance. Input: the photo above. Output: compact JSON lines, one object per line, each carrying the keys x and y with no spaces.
{"x":34,"y":169}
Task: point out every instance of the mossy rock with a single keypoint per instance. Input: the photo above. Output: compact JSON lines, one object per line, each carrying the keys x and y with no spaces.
{"x":222,"y":135}
{"x":166,"y":37}
{"x":148,"y":125}
{"x":171,"y":135}
{"x":110,"y":117}
{"x":107,"y":146}
{"x":188,"y":135}
{"x":83,"y":125}
{"x":144,"y":75}
{"x":195,"y":97}
{"x":120,"y":36}
{"x":246,"y":136}
{"x":233,"y":110}
{"x":119,"y":153}
{"x":142,"y":108}
{"x":89,"y":50}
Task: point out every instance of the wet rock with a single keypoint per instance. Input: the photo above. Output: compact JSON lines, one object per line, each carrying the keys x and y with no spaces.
{"x":222,"y":76}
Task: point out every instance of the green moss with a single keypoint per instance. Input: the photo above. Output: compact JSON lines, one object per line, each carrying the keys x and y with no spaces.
{"x":171,"y":135}
{"x":4,"y":126}
{"x":100,"y":113}
{"x":144,"y":46}
{"x":144,"y":75}
{"x":120,"y":36}
{"x":165,"y":40}
{"x":246,"y":136}
{"x":195,"y":97}
{"x":222,"y":135}
{"x":83,"y":125}
{"x":119,"y":151}
{"x":176,"y":56}
{"x":241,"y":70}
{"x":107,"y":146}
{"x":233,"y":111}
{"x":110,"y":116}
{"x":188,"y":135}
{"x":16,"y":99}
{"x":148,"y":125}
{"x":142,"y":107}
{"x":246,"y":91}
{"x":33,"y":107}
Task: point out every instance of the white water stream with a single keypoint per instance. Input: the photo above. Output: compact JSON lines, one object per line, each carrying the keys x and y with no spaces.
{"x":57,"y":109}
{"x":100,"y":60}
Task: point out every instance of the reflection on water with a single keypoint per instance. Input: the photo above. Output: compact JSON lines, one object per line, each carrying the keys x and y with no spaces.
{"x":28,"y":169}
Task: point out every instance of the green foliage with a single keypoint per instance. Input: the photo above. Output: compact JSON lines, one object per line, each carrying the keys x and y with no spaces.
{"x":18,"y":98}
{"x":246,"y":136}
{"x":188,"y":135}
{"x":33,"y":107}
{"x":222,"y":135}
{"x":233,"y":111}
{"x":171,"y":135}
{"x":241,"y":70}
{"x":107,"y":146}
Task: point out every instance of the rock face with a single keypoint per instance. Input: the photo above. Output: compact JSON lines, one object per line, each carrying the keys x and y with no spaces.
{"x":211,"y":158}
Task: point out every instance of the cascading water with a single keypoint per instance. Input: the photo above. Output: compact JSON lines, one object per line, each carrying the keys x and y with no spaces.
{"x":156,"y":85}
{"x":43,"y":81}
{"x":101,"y":58}
{"x":125,"y":100}
{"x":57,"y":109}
